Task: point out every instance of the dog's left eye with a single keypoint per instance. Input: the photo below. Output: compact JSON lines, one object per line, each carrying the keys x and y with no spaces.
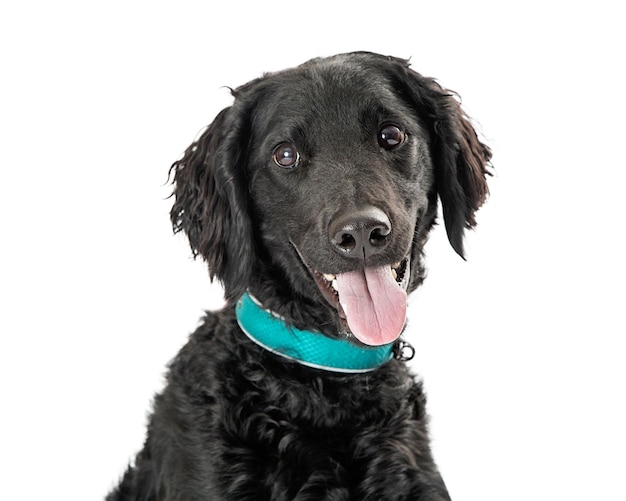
{"x":390,"y":136}
{"x":286,"y":156}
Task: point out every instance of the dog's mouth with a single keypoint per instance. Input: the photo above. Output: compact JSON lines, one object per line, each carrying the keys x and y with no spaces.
{"x":371,"y":302}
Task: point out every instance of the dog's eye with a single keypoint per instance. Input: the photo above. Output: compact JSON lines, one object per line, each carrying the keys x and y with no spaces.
{"x":390,"y":136}
{"x":286,"y":156}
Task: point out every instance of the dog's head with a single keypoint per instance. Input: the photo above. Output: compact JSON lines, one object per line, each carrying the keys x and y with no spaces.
{"x":320,"y":183}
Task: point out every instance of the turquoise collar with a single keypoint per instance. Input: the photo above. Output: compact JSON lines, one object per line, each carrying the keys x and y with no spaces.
{"x":310,"y":348}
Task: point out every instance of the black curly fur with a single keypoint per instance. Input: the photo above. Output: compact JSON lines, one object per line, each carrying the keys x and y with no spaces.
{"x":236,"y":422}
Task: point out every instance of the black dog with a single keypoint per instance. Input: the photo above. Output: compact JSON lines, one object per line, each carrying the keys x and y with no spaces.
{"x":311,"y":199}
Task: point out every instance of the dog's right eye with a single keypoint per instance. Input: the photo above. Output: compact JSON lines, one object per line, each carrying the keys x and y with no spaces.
{"x":391,"y":136}
{"x":286,"y":156}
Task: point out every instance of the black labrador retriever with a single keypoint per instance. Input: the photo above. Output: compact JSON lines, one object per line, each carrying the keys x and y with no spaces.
{"x":311,"y":199}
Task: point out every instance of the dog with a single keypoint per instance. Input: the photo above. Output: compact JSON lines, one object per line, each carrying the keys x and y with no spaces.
{"x":311,"y":199}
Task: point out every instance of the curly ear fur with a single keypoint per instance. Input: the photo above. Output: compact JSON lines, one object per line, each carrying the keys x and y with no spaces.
{"x":460,"y":158}
{"x":211,"y":201}
{"x":461,"y":161}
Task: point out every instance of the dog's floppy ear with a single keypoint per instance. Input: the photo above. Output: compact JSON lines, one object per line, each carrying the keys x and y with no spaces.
{"x":211,"y":204}
{"x":461,"y":161}
{"x":460,"y":158}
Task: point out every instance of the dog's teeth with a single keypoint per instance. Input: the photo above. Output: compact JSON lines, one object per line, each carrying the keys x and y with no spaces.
{"x":397,"y":265}
{"x":333,"y":284}
{"x":394,"y":273}
{"x":329,"y":277}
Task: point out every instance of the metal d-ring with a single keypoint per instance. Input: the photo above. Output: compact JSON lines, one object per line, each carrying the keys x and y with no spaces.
{"x":403,"y":351}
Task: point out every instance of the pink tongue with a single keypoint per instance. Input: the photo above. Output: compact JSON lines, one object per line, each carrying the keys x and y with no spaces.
{"x":374,"y":304}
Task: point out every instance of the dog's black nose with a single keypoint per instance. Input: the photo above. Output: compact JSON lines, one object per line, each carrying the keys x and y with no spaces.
{"x":360,"y":234}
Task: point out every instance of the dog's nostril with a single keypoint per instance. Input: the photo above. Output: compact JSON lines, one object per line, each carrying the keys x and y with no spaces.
{"x":345,"y":241}
{"x":379,"y":235}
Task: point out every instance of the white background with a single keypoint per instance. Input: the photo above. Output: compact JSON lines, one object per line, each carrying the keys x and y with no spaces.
{"x":521,"y":347}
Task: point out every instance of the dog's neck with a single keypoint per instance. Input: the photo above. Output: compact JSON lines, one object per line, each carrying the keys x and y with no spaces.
{"x":309,"y":348}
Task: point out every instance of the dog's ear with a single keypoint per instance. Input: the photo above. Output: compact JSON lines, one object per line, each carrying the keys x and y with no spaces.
{"x":460,"y":159}
{"x":210,"y":201}
{"x":461,"y":162}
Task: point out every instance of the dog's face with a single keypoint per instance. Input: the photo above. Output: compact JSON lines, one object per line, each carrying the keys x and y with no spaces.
{"x":321,"y":182}
{"x":339,"y":174}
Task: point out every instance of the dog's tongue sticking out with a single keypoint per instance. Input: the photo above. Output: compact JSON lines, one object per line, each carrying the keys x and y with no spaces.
{"x":374,"y":304}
